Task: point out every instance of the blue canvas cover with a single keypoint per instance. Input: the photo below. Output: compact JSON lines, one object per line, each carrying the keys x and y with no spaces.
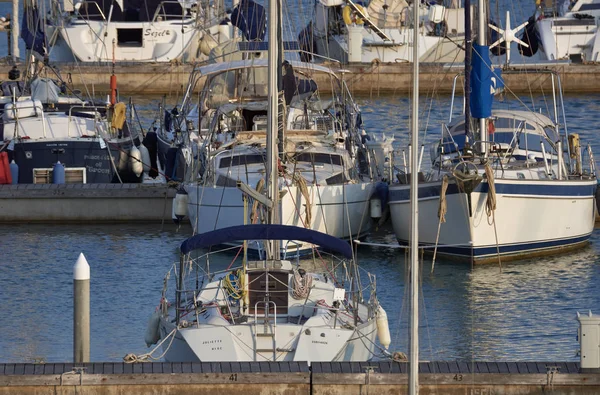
{"x":481,"y":82}
{"x":33,"y":35}
{"x":251,"y":19}
{"x":485,"y":82}
{"x":266,"y":232}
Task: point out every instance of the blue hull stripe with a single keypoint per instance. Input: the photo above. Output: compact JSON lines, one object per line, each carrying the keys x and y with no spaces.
{"x":508,"y":249}
{"x":583,"y":190}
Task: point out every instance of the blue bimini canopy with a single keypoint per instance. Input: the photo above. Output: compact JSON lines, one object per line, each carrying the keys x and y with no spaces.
{"x":266,"y":232}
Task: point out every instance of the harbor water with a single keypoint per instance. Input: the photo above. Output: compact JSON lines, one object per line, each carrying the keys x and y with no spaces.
{"x":525,"y":312}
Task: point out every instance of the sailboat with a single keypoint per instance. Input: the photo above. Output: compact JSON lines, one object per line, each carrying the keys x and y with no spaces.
{"x":50,"y":134}
{"x":271,"y":309}
{"x":135,"y":31}
{"x":329,"y":171}
{"x":382,"y":31}
{"x":503,"y":186}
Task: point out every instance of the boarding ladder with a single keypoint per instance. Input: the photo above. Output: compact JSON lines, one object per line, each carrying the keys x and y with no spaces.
{"x":268,"y":331}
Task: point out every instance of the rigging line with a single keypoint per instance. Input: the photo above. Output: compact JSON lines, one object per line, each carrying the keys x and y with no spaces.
{"x":433,"y":91}
{"x":222,"y":190}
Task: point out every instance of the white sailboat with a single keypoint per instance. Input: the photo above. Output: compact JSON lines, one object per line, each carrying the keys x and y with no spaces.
{"x":508,"y":192}
{"x":383,"y":31}
{"x":135,"y":31}
{"x":328,"y":172}
{"x":272,"y":309}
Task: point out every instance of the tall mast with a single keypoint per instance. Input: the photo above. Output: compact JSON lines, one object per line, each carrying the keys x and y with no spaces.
{"x":468,"y":53}
{"x":413,"y":383}
{"x":273,"y":250}
{"x":482,"y":40}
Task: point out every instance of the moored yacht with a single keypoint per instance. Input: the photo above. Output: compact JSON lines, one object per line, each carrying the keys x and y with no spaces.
{"x":504,"y":184}
{"x":326,"y":174}
{"x":135,"y":31}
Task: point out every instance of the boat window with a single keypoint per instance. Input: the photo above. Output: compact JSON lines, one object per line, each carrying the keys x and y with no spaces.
{"x":551,"y":133}
{"x":449,"y":144}
{"x":240,"y":160}
{"x":532,"y":142}
{"x":319,"y":158}
{"x":129,"y":37}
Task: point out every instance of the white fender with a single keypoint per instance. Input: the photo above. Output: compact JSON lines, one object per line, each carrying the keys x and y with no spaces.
{"x":375,"y":205}
{"x":383,"y":329}
{"x":123,"y":156}
{"x":135,"y":158}
{"x":207,"y":43}
{"x":180,"y":204}
{"x":145,"y":157}
{"x":152,"y":330}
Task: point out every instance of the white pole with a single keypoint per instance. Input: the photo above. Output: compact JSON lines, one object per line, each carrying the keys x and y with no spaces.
{"x":81,"y":310}
{"x":413,"y":377}
{"x":15,"y":33}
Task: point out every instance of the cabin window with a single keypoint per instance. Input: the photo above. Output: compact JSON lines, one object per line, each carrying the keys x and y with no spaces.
{"x":240,"y":160}
{"x":320,"y":158}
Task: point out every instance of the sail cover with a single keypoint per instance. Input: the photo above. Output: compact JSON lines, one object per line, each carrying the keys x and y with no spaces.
{"x":266,"y":232}
{"x":485,"y":82}
{"x":251,"y":19}
{"x":32,"y":32}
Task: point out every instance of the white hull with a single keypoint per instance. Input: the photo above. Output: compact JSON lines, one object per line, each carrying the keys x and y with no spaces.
{"x":373,"y":48}
{"x":338,"y":210}
{"x":531,"y":217}
{"x":294,"y":343}
{"x":567,"y":36}
{"x":92,"y":41}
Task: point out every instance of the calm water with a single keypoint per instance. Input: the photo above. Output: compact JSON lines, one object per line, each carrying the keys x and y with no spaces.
{"x":527,"y":312}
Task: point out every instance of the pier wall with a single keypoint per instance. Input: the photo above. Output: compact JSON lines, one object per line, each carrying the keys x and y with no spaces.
{"x":85,"y":203}
{"x":363,"y":79}
{"x":291,"y":378}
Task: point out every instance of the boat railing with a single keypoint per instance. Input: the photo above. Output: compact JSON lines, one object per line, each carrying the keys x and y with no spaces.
{"x":84,"y":11}
{"x":163,"y":13}
{"x":86,"y":109}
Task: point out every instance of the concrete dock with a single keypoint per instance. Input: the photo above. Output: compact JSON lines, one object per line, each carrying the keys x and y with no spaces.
{"x":291,"y":378}
{"x":363,"y":79}
{"x":109,"y":203}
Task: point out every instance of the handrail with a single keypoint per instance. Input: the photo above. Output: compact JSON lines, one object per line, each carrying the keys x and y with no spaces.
{"x":90,"y":108}
{"x":88,"y":14}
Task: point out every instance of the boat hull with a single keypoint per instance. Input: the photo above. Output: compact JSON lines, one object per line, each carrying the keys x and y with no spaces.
{"x":338,"y":210}
{"x":86,"y":154}
{"x":532,"y":218}
{"x":294,"y":343}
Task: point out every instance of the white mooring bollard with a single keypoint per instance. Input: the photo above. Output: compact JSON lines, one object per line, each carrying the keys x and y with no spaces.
{"x":81,"y":310}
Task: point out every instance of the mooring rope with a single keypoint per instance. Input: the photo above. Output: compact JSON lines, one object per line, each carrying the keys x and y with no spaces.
{"x":147,"y":357}
{"x":301,"y":183}
{"x":260,"y":185}
{"x":490,"y":206}
{"x":442,"y":210}
{"x":301,"y":285}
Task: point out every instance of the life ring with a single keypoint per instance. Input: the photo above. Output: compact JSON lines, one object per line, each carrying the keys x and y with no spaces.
{"x":351,"y":17}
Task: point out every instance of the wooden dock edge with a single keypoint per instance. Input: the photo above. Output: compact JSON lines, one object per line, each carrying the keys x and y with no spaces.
{"x":293,"y":378}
